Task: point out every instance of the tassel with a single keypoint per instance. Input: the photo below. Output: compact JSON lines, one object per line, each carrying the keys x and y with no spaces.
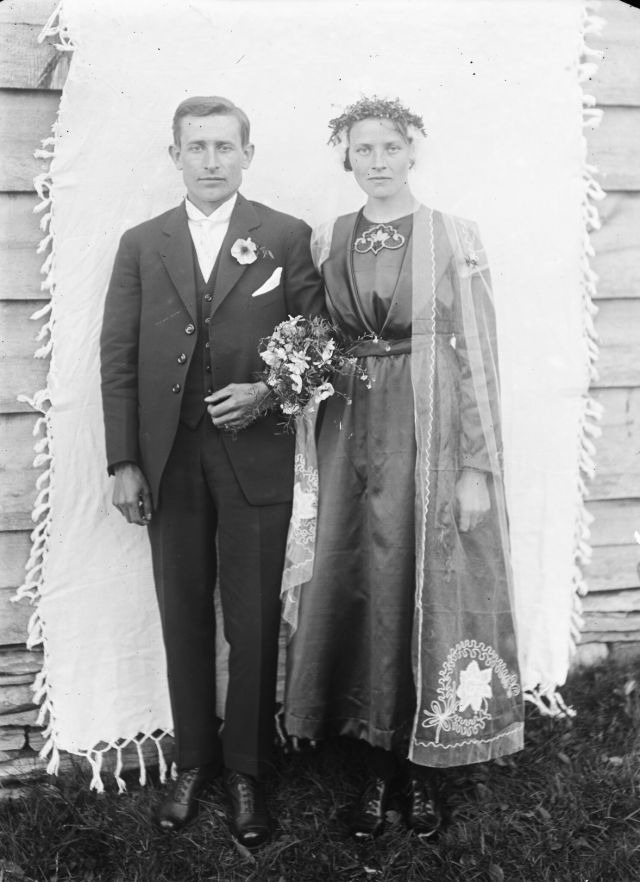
{"x":40,"y":313}
{"x":42,"y":333}
{"x":162,"y":763}
{"x":44,"y":351}
{"x":118,"y":771}
{"x":95,"y":760}
{"x":54,"y":763}
{"x":46,"y":266}
{"x":143,"y":769}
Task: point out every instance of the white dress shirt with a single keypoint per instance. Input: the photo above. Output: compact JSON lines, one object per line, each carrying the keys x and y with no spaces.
{"x":208,"y":232}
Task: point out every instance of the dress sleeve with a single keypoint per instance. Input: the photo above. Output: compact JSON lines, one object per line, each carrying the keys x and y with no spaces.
{"x":476,"y":350}
{"x":321,"y":242}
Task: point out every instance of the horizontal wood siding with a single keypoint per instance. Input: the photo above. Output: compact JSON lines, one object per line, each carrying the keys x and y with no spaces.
{"x":26,"y":118}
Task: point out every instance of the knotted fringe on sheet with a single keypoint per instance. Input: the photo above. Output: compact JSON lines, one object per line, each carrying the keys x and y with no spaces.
{"x":592,"y":410}
{"x":546,"y":696}
{"x":96,"y":758}
{"x":44,"y":448}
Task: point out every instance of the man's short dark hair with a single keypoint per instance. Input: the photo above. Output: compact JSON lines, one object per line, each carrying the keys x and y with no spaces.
{"x":210,"y":105}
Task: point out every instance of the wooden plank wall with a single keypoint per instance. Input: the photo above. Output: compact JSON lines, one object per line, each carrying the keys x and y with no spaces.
{"x":30,"y":78}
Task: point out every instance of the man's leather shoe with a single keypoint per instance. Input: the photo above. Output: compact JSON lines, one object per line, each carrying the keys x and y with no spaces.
{"x":367,"y":818}
{"x":181,"y":804}
{"x":250,"y":821}
{"x":422,"y":809}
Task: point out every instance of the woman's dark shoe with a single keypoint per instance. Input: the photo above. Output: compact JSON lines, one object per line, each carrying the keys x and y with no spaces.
{"x":367,"y":819}
{"x":422,"y":810}
{"x":181,"y":804}
{"x":250,"y":821}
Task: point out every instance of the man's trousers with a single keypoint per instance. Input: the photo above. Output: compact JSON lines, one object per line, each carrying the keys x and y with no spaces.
{"x":203,"y":527}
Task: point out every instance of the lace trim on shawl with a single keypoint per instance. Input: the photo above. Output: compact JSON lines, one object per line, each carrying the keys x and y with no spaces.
{"x":301,"y":539}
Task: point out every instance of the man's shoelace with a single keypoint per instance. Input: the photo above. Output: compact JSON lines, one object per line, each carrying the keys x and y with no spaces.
{"x":184,"y":783}
{"x":246,"y":794}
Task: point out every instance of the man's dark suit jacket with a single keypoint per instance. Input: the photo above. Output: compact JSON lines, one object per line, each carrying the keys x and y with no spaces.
{"x":148,"y":329}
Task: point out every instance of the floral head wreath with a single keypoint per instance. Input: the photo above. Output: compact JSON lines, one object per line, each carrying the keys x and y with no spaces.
{"x":378,"y":108}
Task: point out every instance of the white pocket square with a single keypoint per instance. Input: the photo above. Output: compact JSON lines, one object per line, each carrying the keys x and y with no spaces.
{"x":272,"y":282}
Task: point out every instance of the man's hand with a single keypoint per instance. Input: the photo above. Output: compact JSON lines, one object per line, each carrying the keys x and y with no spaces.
{"x":236,"y":405}
{"x":473,"y":499}
{"x":131,"y":495}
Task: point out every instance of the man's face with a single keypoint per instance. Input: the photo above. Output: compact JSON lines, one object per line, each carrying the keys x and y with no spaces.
{"x":211,"y":158}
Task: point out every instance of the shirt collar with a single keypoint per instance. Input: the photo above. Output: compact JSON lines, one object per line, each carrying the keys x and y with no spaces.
{"x":220,"y":216}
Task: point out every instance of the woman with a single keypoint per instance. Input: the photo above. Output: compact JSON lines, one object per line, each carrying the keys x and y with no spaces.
{"x":399,"y":590}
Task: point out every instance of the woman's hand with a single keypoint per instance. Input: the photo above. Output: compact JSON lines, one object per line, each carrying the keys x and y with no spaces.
{"x":236,"y":405}
{"x":472,"y":496}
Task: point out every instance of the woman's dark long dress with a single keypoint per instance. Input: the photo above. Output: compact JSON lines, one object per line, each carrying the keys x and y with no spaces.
{"x":351,"y":667}
{"x":350,"y":659}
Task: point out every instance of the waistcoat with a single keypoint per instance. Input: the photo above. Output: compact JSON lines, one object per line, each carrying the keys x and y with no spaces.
{"x":198,"y":382}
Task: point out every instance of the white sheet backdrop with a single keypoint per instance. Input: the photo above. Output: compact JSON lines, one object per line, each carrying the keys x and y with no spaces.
{"x":497,"y":83}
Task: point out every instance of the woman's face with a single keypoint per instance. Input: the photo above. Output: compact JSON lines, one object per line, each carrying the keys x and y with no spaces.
{"x":380,"y":157}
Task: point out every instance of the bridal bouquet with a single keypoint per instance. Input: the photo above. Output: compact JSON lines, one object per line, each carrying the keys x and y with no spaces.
{"x":302,"y":355}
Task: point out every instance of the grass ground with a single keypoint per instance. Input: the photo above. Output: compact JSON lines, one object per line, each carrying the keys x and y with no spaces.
{"x":566,"y":809}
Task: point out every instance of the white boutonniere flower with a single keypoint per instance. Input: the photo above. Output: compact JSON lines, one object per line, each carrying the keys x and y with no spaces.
{"x":244,"y":250}
{"x":247,"y":251}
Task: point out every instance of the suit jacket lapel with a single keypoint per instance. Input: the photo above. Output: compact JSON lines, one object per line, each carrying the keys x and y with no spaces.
{"x":243,"y":219}
{"x":177,"y":256}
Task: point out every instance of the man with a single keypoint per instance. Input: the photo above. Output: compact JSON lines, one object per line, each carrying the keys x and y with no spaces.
{"x":192,"y":293}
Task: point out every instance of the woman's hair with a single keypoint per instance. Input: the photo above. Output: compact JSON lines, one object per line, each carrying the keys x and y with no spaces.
{"x":374,"y":108}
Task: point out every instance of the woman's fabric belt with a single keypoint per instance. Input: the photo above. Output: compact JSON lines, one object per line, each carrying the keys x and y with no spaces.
{"x":377,"y":346}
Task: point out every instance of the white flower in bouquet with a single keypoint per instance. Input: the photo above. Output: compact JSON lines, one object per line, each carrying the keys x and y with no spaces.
{"x":296,"y":381}
{"x":328,"y":351}
{"x":269,"y":357}
{"x":324,"y":391}
{"x":299,"y":362}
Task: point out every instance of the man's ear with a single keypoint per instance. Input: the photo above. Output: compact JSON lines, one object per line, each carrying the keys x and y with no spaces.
{"x":248,"y":150}
{"x":174,"y":153}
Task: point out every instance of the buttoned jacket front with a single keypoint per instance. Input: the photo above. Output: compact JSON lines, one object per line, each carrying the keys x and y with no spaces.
{"x":149,"y":337}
